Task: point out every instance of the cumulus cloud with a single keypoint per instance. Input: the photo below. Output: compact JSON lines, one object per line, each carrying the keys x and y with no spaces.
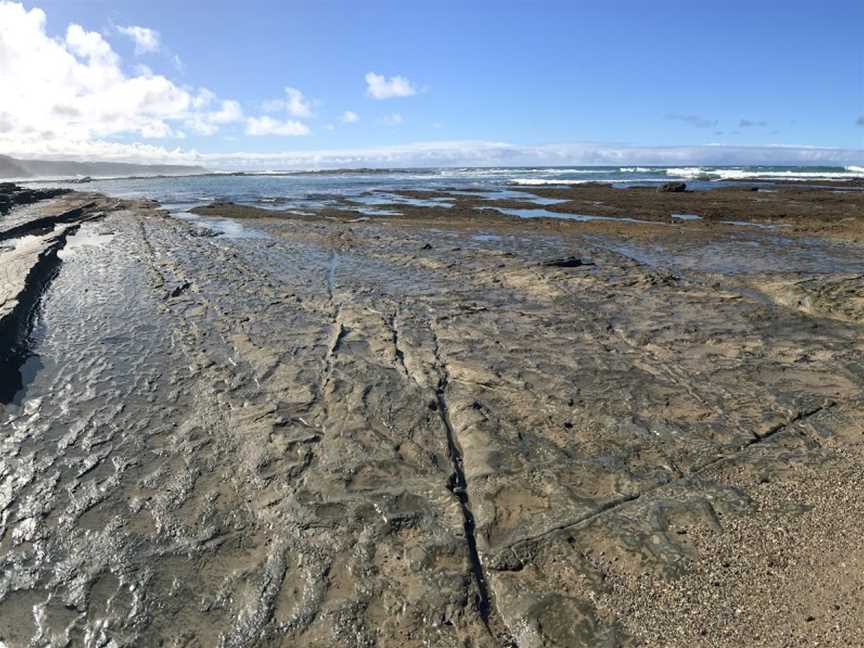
{"x":294,"y":103}
{"x":269,"y":126}
{"x":146,"y":40}
{"x":380,"y":87}
{"x":349,"y":117}
{"x":693,"y":120}
{"x":208,"y":122}
{"x":73,"y":89}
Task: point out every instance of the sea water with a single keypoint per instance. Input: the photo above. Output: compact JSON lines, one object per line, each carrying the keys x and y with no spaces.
{"x":298,"y":190}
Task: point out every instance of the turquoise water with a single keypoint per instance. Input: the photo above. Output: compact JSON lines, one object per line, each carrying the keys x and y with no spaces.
{"x":312,"y":191}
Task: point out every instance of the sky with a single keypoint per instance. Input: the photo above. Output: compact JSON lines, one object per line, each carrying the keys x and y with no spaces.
{"x":282,"y":84}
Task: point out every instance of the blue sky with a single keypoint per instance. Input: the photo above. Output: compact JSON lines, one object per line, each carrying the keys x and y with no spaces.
{"x":622,"y":74}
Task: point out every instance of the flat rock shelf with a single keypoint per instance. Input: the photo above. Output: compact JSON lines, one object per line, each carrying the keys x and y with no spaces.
{"x":449,"y":428}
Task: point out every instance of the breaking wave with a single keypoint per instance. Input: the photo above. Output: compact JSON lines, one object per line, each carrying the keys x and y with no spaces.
{"x":707,"y":173}
{"x":546,"y":181}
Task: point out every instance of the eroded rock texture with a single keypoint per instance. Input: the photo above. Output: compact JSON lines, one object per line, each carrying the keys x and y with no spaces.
{"x":332,"y":433}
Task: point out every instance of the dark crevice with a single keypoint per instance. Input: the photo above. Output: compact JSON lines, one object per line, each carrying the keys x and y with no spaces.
{"x":179,"y":290}
{"x":458,"y":485}
{"x":332,"y":352}
{"x":341,"y":332}
{"x":394,"y":336}
{"x":584,"y":519}
{"x":16,"y":327}
{"x":800,"y":416}
{"x":336,"y":322}
{"x":568,"y":262}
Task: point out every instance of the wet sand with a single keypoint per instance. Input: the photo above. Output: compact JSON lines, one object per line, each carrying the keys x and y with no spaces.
{"x":450,"y":427}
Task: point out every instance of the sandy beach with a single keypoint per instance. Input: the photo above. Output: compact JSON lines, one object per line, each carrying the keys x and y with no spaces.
{"x":451,"y":427}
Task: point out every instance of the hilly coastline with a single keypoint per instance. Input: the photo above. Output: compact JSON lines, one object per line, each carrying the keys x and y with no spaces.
{"x":13,"y":168}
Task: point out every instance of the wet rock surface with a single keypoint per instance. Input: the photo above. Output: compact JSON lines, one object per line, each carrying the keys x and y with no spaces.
{"x":441,"y":429}
{"x":796,"y":207}
{"x":12,"y":194}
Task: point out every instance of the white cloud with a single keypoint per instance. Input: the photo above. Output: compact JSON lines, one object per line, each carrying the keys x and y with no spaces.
{"x":484,"y":153}
{"x":295,"y":104}
{"x":393,"y":120}
{"x":72,"y":89}
{"x":146,"y":40}
{"x":203,"y":98}
{"x":84,"y":44}
{"x":349,"y":117}
{"x":444,"y":153}
{"x":229,"y":112}
{"x":380,"y":87}
{"x":208,"y":122}
{"x":269,"y":126}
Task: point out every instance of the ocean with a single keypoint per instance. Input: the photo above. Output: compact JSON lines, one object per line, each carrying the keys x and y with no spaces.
{"x":311,"y":190}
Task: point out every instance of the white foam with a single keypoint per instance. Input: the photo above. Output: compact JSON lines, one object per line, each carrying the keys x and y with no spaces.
{"x":740,"y":174}
{"x":544,"y":181}
{"x":686,"y":172}
{"x":635,"y":170}
{"x":851,"y":173}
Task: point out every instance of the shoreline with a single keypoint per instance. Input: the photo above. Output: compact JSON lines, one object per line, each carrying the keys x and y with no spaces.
{"x":797,"y":211}
{"x":710,"y":174}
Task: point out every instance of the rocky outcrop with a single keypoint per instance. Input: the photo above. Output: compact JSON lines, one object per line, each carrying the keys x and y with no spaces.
{"x":28,"y":261}
{"x":672,"y":187}
{"x":336,"y":435}
{"x":12,"y":194}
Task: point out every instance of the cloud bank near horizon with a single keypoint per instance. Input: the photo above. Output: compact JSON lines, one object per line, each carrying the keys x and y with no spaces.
{"x":466,"y":153}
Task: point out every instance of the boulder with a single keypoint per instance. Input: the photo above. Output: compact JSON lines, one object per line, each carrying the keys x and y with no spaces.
{"x":672,"y":187}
